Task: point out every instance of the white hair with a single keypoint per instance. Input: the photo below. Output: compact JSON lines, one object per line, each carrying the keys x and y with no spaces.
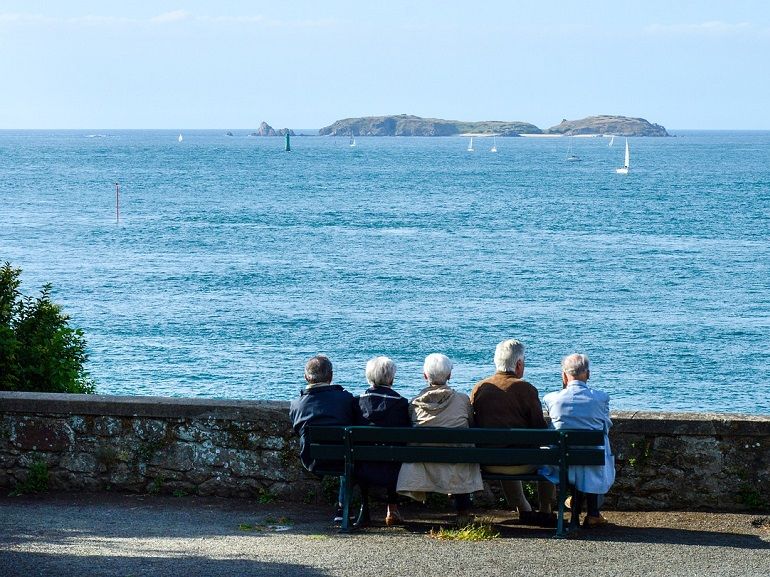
{"x":507,"y":354}
{"x":575,"y":364}
{"x":438,"y":368}
{"x":380,"y":371}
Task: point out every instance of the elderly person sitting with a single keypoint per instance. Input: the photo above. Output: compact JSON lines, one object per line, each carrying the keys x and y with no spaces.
{"x":505,"y":400}
{"x":380,"y":406}
{"x":321,"y":403}
{"x":578,"y":406}
{"x":438,"y":405}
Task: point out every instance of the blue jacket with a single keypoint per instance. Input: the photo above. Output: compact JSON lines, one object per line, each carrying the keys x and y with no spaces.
{"x":381,"y":407}
{"x":578,"y":406}
{"x":323,"y":404}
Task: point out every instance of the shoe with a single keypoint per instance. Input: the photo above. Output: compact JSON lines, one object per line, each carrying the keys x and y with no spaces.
{"x":528,"y":517}
{"x":394,"y":519}
{"x":545,"y":520}
{"x":364,"y":518}
{"x":337,"y":515}
{"x":590,"y":522}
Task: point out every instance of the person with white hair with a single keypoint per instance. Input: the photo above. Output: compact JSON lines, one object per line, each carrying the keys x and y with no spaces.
{"x":505,"y":400}
{"x":380,"y":406}
{"x":578,"y":406}
{"x":438,"y":405}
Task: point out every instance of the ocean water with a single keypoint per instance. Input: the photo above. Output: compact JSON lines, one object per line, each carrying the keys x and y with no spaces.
{"x":234,"y":261}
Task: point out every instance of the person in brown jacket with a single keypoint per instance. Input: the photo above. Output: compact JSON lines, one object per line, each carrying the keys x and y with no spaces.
{"x":505,"y":400}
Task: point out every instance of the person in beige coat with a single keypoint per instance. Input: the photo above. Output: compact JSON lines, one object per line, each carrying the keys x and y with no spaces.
{"x":438,"y":405}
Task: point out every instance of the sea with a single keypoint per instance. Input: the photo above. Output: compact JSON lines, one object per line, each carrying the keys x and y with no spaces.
{"x":232,"y":261}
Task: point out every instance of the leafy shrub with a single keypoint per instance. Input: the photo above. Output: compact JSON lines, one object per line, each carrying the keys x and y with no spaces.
{"x":39,"y":351}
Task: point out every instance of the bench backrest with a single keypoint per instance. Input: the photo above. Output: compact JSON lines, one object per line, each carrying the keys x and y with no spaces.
{"x":444,"y":445}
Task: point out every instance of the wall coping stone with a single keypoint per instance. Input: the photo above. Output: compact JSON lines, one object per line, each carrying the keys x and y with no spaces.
{"x":639,"y":422}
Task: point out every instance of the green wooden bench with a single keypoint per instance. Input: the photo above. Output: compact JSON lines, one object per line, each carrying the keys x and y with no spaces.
{"x":562,"y":448}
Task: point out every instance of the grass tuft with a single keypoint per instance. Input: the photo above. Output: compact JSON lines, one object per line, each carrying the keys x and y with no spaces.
{"x":480,"y":530}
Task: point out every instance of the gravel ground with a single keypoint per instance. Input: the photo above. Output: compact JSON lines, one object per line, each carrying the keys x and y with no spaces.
{"x":132,"y":536}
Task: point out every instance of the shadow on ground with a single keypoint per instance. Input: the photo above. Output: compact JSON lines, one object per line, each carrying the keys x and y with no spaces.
{"x":26,"y":564}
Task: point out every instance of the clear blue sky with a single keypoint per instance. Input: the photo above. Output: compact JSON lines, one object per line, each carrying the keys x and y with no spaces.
{"x":304,"y":64}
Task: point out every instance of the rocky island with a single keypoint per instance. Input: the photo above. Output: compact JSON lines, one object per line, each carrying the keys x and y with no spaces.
{"x":266,"y":130}
{"x":408,"y":125}
{"x":617,"y":125}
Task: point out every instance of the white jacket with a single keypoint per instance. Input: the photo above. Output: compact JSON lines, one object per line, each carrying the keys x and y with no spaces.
{"x":439,"y":407}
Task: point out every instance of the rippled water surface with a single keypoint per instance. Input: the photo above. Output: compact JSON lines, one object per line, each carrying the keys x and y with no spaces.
{"x":234,"y":261}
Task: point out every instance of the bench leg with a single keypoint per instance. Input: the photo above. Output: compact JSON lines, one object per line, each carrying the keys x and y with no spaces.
{"x":346,"y":490}
{"x":560,"y":532}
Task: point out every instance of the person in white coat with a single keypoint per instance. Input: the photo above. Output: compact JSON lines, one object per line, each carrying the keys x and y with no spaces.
{"x":438,"y":405}
{"x":578,"y":406}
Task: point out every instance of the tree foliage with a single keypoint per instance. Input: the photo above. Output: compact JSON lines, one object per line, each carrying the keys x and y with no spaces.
{"x":39,"y":351}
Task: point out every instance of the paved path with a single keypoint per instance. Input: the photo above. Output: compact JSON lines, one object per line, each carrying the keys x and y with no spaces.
{"x":125,"y":536}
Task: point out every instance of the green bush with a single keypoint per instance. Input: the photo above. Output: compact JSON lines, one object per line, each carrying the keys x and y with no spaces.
{"x":39,"y":351}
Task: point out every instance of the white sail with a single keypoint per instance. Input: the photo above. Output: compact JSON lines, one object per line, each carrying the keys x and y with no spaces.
{"x":470,"y":145}
{"x":494,"y":144}
{"x":627,"y":164}
{"x":180,"y":139}
{"x":570,"y":156}
{"x":612,"y":140}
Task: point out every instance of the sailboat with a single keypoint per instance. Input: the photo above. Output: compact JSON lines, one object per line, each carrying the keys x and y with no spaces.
{"x":494,"y":144}
{"x":352,"y":140}
{"x":470,"y":145}
{"x":612,"y":140}
{"x":570,"y":156}
{"x":624,"y":169}
{"x":180,"y":139}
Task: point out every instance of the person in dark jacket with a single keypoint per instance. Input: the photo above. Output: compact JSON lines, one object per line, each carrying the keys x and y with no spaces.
{"x":321,"y":403}
{"x":380,"y":406}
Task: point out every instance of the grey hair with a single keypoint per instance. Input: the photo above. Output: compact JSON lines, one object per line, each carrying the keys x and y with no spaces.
{"x":380,"y":371}
{"x":507,"y":354}
{"x":438,"y":368}
{"x":575,"y":364}
{"x":318,"y":370}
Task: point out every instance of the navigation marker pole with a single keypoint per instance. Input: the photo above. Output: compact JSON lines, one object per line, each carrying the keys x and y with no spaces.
{"x":288,"y":143}
{"x":117,"y":202}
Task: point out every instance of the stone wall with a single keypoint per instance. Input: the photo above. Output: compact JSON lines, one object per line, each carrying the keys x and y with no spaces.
{"x":246,"y":448}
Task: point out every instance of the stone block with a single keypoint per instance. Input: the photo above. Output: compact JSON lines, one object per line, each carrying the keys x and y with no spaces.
{"x":149,"y":429}
{"x":79,"y":462}
{"x":37,"y":434}
{"x":107,"y":426}
{"x":177,"y":457}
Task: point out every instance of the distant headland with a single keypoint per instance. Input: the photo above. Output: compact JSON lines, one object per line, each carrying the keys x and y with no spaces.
{"x":408,"y":125}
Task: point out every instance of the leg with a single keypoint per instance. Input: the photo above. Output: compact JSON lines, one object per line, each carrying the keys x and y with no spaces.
{"x":546,"y":494}
{"x":463,"y":508}
{"x":364,"y":515}
{"x":594,"y":517}
{"x":576,"y":507}
{"x":514,"y":496}
{"x":393,"y":515}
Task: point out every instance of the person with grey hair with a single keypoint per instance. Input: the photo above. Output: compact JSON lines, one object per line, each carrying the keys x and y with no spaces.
{"x":438,"y":405}
{"x":380,"y":406}
{"x":578,"y":406}
{"x":505,"y":400}
{"x":321,"y":402}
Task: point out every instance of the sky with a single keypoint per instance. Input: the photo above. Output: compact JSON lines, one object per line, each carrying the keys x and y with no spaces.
{"x":304,"y":64}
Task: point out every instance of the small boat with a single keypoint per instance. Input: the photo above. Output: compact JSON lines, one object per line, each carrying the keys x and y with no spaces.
{"x":352,"y":140}
{"x":571,"y":157}
{"x":180,"y":139}
{"x":470,"y":145}
{"x":612,"y":140}
{"x":494,"y":144}
{"x":624,"y":169}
